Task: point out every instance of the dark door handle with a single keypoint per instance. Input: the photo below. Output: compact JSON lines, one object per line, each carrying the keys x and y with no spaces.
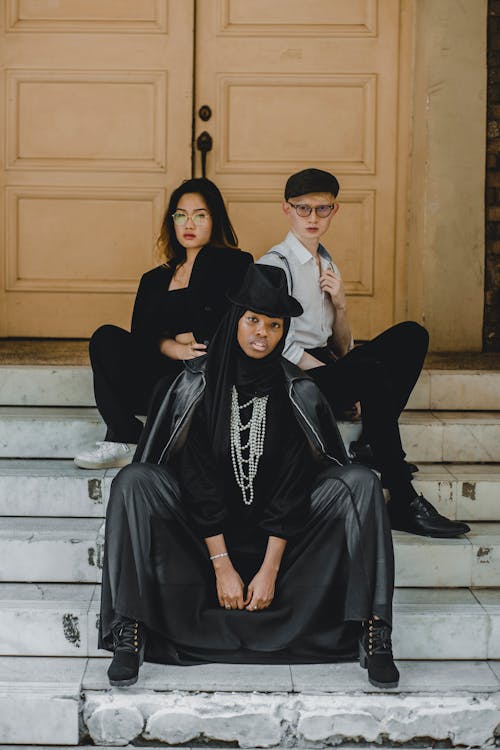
{"x":204,"y":143}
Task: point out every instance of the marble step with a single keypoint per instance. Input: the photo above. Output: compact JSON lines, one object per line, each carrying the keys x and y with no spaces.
{"x":456,"y":704}
{"x":431,"y":437}
{"x":51,"y":550}
{"x":249,"y":706}
{"x":57,"y":488}
{"x":62,"y":620}
{"x":60,"y":550}
{"x":40,"y":700}
{"x":44,"y":385}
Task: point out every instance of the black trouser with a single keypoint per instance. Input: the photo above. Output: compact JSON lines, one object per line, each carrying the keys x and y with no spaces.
{"x":381,"y":374}
{"x":126,"y":372}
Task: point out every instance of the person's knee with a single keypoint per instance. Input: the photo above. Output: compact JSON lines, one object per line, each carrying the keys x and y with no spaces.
{"x":131,"y":477}
{"x":416,"y":333}
{"x":358,"y":477}
{"x":104,"y":339}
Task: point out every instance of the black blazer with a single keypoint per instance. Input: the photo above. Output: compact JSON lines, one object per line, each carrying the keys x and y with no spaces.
{"x":216,"y":271}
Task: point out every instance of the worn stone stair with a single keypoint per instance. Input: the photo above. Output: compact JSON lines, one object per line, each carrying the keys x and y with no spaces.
{"x":456,"y":703}
{"x":38,"y":487}
{"x":53,"y":685}
{"x":62,"y":620}
{"x":69,"y":550}
{"x":432,"y":437}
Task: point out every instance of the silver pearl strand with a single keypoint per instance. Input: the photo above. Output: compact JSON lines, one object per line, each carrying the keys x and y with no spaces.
{"x":245,"y":469}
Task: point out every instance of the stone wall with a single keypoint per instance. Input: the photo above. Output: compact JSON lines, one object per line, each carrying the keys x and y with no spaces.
{"x":491,"y":331}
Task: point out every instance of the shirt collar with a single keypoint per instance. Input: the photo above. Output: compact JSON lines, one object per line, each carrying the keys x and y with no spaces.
{"x":302,"y":253}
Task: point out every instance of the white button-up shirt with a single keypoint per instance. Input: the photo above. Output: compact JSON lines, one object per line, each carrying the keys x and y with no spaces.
{"x":315,"y":326}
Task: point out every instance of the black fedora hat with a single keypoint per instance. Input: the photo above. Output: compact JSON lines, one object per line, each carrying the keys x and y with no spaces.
{"x":264,"y":290}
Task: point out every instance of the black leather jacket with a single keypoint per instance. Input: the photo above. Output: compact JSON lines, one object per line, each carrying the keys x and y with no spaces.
{"x":168,"y":424}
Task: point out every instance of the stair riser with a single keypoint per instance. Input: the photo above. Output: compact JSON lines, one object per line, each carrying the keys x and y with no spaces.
{"x":55,"y":496}
{"x":70,"y":631}
{"x":39,"y":437}
{"x":39,"y":717}
{"x":74,"y":560}
{"x":72,"y":386}
{"x":29,"y":385}
{"x":432,"y":441}
{"x":86,"y":495}
{"x":419,"y":562}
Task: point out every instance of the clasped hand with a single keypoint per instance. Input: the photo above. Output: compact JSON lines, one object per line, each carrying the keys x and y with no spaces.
{"x":231,"y":590}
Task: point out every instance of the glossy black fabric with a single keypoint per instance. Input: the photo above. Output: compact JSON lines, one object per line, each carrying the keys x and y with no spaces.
{"x":281,"y":495}
{"x":336,"y":572}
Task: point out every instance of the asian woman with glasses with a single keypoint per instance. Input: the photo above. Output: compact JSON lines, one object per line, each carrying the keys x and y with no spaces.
{"x":178,"y":307}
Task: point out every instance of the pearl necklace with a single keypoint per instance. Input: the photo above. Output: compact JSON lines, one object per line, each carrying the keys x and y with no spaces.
{"x":245,"y":469}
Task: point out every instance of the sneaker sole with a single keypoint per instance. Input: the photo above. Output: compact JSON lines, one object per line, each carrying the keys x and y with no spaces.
{"x":116,"y":464}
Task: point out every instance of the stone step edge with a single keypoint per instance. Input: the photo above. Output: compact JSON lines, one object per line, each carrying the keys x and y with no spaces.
{"x":69,"y":622}
{"x":267,"y":721}
{"x":63,"y":432}
{"x":436,"y":388}
{"x":55,"y":488}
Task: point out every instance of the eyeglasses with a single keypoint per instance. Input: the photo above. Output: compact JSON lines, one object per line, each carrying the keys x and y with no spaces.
{"x":198,"y":217}
{"x":304,"y":210}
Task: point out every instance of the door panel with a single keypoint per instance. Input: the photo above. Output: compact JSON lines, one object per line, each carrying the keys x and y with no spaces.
{"x":293,"y":85}
{"x":97,"y":130}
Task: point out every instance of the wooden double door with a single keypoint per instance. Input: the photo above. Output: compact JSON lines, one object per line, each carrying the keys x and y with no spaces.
{"x":102,"y":101}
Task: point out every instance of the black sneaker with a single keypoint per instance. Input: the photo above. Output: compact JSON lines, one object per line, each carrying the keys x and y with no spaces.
{"x":128,"y":646}
{"x":375,"y":654}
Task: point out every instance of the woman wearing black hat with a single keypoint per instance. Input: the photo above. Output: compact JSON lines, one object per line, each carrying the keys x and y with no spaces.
{"x":245,"y":538}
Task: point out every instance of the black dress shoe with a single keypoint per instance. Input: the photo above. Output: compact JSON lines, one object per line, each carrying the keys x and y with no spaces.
{"x":420,"y":517}
{"x":128,"y":646}
{"x":375,"y":654}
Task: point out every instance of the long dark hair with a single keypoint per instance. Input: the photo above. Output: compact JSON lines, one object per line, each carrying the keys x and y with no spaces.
{"x":223,"y":234}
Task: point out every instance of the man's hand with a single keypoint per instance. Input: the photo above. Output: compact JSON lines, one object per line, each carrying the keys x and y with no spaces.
{"x":230,"y":587}
{"x":334,"y":286}
{"x":261,"y":589}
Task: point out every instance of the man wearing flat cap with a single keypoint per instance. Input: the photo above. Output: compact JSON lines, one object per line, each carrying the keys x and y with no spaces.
{"x":379,"y":374}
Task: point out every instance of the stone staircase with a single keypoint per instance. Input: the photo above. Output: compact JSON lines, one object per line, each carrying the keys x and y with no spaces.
{"x":53,"y":685}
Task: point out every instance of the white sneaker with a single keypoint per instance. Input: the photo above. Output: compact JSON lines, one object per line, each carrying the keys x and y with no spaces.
{"x":106,"y":455}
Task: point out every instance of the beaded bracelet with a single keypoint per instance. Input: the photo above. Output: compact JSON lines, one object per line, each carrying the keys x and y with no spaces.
{"x":221,"y":554}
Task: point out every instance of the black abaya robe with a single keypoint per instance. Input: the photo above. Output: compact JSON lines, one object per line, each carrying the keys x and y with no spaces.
{"x":337,"y":569}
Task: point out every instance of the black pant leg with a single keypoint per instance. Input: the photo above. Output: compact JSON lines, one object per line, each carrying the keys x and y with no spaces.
{"x":125,"y":374}
{"x":362,"y":378}
{"x":401,"y":350}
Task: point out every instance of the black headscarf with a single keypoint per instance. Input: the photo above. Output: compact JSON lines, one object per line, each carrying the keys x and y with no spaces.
{"x":228,"y":365}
